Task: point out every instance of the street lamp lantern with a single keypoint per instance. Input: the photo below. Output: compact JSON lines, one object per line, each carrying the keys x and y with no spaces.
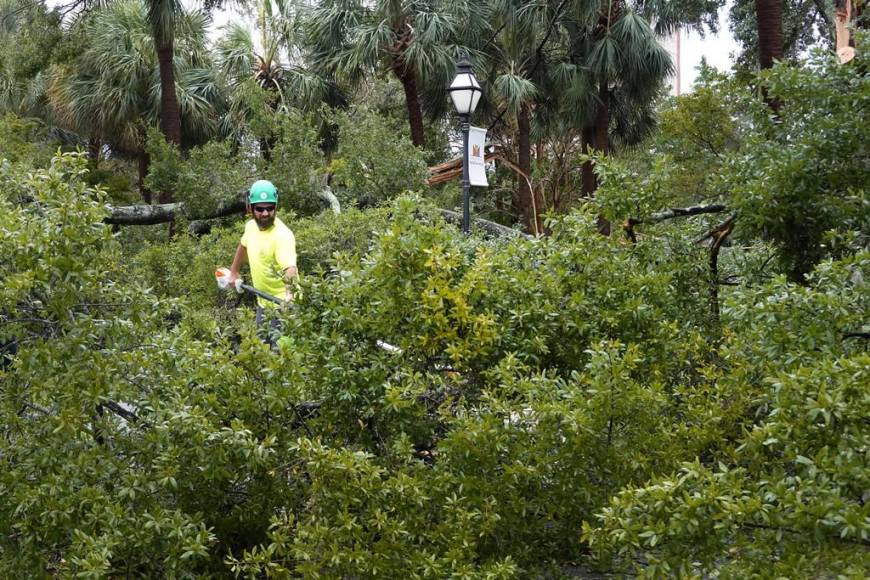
{"x":464,"y":90}
{"x":465,"y":93}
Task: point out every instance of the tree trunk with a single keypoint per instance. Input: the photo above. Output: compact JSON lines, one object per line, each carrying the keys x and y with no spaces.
{"x":524,"y":205}
{"x":768,"y":14}
{"x":590,"y":184}
{"x":602,"y":139}
{"x":266,"y":149}
{"x":408,"y":78}
{"x":170,"y":116}
{"x":602,"y":119}
{"x":597,"y":136}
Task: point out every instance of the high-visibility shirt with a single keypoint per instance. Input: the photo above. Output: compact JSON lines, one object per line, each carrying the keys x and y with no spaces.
{"x":270,"y":252}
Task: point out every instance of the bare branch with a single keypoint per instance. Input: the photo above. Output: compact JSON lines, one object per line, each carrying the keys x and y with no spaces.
{"x":676,"y":212}
{"x":717,"y":229}
{"x":671,"y":213}
{"x":489,"y":227}
{"x":121,"y":411}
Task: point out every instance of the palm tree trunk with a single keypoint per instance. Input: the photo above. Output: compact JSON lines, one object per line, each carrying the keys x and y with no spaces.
{"x":768,"y":14}
{"x":597,"y":136}
{"x":602,"y":119}
{"x":524,"y":205}
{"x":590,"y":184}
{"x":602,"y":138}
{"x":170,"y":116}
{"x":408,"y":78}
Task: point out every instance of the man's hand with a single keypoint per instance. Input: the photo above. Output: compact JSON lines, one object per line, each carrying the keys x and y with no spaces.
{"x":235,"y":281}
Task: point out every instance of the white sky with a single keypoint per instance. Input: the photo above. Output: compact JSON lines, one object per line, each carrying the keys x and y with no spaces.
{"x":717,"y":49}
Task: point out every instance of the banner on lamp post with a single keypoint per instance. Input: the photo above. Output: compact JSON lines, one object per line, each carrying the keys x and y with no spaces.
{"x":476,"y":153}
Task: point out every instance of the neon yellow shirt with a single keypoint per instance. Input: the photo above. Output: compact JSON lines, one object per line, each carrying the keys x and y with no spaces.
{"x":270,"y":252}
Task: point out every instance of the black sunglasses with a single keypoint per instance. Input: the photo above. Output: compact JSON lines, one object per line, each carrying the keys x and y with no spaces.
{"x":263,"y":208}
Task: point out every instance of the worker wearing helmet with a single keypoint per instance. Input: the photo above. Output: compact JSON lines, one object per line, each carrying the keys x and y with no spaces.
{"x":268,"y":246}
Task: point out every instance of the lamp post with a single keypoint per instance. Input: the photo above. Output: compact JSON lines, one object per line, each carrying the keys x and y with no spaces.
{"x":465,"y":93}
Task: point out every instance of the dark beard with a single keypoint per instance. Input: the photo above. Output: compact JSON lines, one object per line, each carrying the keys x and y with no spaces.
{"x":264,"y":223}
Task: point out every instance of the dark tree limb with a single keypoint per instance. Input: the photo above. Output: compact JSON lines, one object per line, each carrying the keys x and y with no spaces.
{"x":676,"y":212}
{"x":718,"y":228}
{"x":121,"y":411}
{"x":718,"y":238}
{"x":864,"y":335}
{"x":671,"y":213}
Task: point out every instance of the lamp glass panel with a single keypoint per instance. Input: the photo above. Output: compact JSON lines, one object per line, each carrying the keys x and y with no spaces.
{"x":461,"y":100}
{"x":474,"y":99}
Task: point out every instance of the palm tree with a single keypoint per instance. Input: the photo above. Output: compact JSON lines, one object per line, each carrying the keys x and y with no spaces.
{"x":162,"y":16}
{"x":113,"y":90}
{"x":28,"y":33}
{"x":626,"y":69}
{"x":272,"y":67}
{"x":517,"y":76}
{"x":413,"y":40}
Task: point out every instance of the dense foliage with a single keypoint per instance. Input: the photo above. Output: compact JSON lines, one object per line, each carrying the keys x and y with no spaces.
{"x":540,"y":385}
{"x":688,"y":399}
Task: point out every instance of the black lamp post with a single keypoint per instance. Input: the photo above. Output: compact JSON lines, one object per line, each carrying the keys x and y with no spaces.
{"x":465,"y":92}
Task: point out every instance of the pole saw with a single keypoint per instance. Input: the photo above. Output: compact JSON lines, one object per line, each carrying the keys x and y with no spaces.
{"x":222,"y":276}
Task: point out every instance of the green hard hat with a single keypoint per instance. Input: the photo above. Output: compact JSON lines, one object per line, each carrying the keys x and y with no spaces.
{"x":263,"y":192}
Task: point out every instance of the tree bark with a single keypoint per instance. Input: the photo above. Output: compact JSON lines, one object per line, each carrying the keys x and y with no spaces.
{"x":524,"y":205}
{"x":408,"y":78}
{"x":602,"y":119}
{"x":590,"y":184}
{"x":144,"y":215}
{"x":768,"y":14}
{"x":170,"y":116}
{"x":602,"y":138}
{"x":487,"y":226}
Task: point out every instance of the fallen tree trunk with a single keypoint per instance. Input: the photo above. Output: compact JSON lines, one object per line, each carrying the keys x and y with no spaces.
{"x":146,"y":215}
{"x":141,"y":215}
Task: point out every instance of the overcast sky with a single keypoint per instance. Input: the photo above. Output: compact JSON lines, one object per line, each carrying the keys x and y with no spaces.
{"x":717,"y":49}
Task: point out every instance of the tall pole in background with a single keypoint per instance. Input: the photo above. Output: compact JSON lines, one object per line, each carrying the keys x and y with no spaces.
{"x":465,"y":92}
{"x":465,"y":126}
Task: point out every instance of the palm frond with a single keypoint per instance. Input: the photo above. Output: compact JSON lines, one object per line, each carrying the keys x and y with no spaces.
{"x":514,"y":91}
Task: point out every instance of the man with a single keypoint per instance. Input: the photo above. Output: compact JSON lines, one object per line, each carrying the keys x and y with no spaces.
{"x":270,"y":248}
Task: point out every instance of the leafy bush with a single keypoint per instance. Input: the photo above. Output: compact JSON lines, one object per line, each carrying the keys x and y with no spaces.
{"x":296,"y":162}
{"x":537,"y":385}
{"x":23,"y":141}
{"x":208,"y":177}
{"x":374,"y":163}
{"x":805,"y":171}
